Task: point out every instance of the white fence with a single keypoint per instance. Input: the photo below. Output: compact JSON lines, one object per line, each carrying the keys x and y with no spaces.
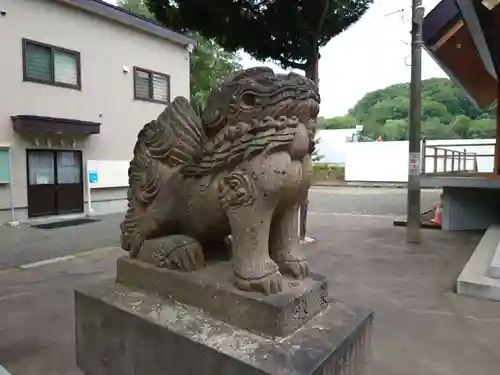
{"x":463,"y":156}
{"x":388,"y":161}
{"x":363,"y":161}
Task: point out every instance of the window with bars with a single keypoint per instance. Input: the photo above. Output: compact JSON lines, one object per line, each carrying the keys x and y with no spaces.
{"x":51,"y":65}
{"x":151,"y":86}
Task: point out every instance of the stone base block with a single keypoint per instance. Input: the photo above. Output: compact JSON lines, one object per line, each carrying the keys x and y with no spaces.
{"x":211,"y":289}
{"x":120,"y":331}
{"x":470,"y":208}
{"x":479,"y":278}
{"x":494,"y":269}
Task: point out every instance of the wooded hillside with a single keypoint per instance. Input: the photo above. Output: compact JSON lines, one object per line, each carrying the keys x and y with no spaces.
{"x":447,"y":113}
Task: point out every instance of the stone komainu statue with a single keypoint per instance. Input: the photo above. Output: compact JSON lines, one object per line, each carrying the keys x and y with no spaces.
{"x":241,"y":170}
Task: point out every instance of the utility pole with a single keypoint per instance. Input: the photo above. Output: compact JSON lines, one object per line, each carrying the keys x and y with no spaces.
{"x":413,"y":204}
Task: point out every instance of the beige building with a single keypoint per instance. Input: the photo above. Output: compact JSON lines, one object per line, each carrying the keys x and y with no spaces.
{"x":79,"y":79}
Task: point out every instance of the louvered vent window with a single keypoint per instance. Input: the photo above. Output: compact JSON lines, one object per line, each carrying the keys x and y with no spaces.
{"x":51,"y":65}
{"x":151,"y":86}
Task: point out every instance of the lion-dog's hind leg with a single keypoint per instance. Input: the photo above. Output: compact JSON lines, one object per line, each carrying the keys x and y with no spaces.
{"x":149,"y":240}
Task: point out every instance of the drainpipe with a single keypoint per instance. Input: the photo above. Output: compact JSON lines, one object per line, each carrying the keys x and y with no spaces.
{"x":11,"y":189}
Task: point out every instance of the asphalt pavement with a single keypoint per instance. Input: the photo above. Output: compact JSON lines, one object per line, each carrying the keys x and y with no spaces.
{"x":421,"y":326}
{"x":365,"y":201}
{"x":26,"y":244}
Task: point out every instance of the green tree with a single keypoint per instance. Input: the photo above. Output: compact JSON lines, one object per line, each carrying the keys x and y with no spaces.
{"x":137,"y":7}
{"x":434,"y":109}
{"x":482,"y":128}
{"x":362,"y":111}
{"x":340,"y":122}
{"x":209,"y":62}
{"x":433,"y":128}
{"x":389,"y":109}
{"x":394,"y":130}
{"x":447,"y":112}
{"x":460,"y":126}
{"x":289,"y":32}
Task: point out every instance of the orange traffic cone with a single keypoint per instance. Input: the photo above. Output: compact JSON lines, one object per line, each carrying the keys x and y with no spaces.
{"x":436,"y":220}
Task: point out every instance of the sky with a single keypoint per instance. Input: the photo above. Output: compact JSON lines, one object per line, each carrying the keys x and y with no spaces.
{"x":373,"y":53}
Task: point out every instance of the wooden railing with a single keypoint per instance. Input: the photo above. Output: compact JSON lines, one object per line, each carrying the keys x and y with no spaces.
{"x":447,"y":159}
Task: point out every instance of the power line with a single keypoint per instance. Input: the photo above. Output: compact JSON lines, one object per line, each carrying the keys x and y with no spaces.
{"x":395,"y":12}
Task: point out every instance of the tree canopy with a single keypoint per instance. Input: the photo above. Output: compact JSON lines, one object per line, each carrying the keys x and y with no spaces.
{"x":447,"y":113}
{"x":289,"y":32}
{"x":209,"y":62}
{"x":137,"y":7}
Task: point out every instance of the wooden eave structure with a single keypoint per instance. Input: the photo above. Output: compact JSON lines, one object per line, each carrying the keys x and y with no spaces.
{"x":463,"y":37}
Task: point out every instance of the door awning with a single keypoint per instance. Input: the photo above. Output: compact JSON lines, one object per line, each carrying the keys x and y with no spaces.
{"x":51,"y":125}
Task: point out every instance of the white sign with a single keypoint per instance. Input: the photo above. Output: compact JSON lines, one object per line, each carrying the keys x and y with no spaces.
{"x":359,"y":128}
{"x":414,"y":167}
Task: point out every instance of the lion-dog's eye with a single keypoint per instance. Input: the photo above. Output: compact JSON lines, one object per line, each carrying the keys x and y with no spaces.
{"x":249,"y":99}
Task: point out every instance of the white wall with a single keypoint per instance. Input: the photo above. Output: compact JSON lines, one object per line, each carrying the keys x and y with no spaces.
{"x":332,"y":145}
{"x":388,"y":161}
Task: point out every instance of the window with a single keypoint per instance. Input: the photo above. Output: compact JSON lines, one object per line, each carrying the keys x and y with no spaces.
{"x":151,"y":86}
{"x":51,"y":65}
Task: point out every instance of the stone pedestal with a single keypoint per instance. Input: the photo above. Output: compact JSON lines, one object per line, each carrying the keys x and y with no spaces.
{"x":211,"y":289}
{"x":481,"y":275}
{"x":470,"y":208}
{"x":137,"y":326}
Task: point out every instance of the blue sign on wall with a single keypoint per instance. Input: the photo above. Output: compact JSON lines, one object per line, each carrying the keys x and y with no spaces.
{"x":93,"y":177}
